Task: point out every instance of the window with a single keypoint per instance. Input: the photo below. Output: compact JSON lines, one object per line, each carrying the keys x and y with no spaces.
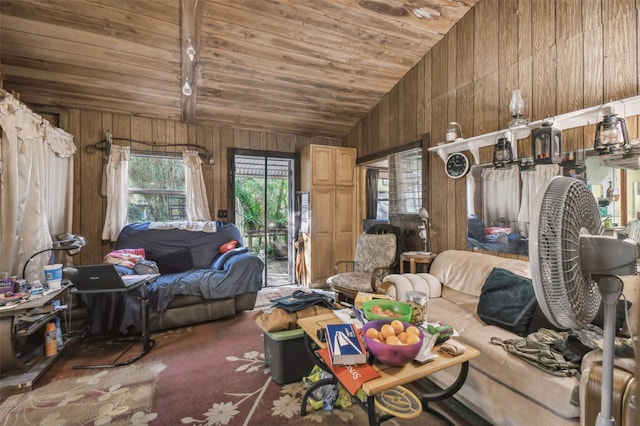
{"x":156,"y":189}
{"x":405,"y":181}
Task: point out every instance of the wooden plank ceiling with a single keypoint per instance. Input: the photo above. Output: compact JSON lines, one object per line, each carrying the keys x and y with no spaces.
{"x":309,"y":67}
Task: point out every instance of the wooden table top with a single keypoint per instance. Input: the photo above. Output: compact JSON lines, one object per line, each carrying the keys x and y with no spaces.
{"x":391,"y":376}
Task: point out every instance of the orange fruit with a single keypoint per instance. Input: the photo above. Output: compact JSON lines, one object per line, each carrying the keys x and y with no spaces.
{"x":403,"y":337}
{"x":376,"y":309}
{"x":387,"y":331}
{"x":372,"y":333}
{"x":412,"y":339}
{"x":398,"y":327}
{"x":412,"y":329}
{"x":393,"y":340}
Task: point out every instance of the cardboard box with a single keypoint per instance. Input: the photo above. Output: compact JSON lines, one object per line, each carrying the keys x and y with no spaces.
{"x":286,"y":356}
{"x":345,"y":345}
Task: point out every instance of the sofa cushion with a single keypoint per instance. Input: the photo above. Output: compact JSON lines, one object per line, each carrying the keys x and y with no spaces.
{"x":557,"y":394}
{"x":220,"y":260}
{"x":178,"y":260}
{"x":467,"y":271}
{"x":508,"y":301}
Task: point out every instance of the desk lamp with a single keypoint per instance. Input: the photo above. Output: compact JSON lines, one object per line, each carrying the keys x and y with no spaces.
{"x":424,"y":231}
{"x":70,"y":243}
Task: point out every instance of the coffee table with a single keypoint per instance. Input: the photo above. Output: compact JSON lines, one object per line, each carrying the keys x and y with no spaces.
{"x":390,"y":377}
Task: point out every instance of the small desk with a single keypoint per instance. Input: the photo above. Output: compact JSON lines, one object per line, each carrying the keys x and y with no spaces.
{"x":414,"y":257}
{"x":145,"y":336}
{"x":22,"y":355}
{"x":390,"y":377}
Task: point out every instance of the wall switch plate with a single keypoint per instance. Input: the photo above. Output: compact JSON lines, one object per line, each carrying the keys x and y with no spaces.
{"x":222,"y":214}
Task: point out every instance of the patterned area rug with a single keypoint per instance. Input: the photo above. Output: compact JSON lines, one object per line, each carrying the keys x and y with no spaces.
{"x":209,"y":374}
{"x":107,"y":397}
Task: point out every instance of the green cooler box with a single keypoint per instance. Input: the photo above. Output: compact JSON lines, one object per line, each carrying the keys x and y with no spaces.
{"x":285,"y":354}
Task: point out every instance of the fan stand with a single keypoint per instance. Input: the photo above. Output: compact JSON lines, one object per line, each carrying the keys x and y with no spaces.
{"x":610,"y":288}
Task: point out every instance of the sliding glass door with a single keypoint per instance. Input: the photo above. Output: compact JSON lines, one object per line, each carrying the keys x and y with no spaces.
{"x":262,"y":185}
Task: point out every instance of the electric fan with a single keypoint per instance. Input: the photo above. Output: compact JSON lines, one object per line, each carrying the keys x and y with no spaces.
{"x":574,"y":268}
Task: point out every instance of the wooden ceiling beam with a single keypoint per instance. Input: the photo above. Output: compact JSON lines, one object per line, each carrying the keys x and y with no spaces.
{"x":191,"y":29}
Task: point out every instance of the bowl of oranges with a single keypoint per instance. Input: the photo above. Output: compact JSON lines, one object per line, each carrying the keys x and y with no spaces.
{"x":392,"y":342}
{"x":386,"y":309}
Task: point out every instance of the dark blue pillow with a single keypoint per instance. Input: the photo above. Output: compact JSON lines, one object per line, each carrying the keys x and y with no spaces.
{"x":219,"y":261}
{"x":507,"y":300}
{"x":172,"y":262}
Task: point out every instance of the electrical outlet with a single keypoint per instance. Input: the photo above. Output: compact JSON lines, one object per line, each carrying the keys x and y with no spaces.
{"x":222,"y":214}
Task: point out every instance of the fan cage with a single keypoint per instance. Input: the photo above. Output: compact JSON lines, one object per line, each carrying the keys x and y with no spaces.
{"x":568,"y":209}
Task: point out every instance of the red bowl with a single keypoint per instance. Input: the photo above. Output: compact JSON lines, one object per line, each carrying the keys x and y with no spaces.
{"x":392,"y":355}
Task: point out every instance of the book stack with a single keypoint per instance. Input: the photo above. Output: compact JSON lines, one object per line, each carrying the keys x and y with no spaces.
{"x":345,"y":345}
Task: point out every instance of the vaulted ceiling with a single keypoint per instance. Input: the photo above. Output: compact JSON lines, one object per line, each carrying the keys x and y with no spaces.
{"x":310,"y":67}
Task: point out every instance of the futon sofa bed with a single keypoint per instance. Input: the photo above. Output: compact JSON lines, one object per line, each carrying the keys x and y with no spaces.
{"x":204,"y":276}
{"x":501,"y":387}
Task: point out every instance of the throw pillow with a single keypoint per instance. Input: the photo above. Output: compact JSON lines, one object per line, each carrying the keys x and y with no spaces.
{"x":219,"y":261}
{"x":229,"y":245}
{"x":172,"y":262}
{"x":507,"y":300}
{"x":539,"y":320}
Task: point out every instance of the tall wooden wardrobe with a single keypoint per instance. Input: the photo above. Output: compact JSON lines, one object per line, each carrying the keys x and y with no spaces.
{"x":328,"y":176}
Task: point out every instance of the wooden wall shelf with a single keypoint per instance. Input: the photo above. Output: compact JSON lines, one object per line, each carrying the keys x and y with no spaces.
{"x":625,"y":108}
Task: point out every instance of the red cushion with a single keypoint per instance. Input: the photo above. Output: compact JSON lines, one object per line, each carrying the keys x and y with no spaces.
{"x":230,"y":245}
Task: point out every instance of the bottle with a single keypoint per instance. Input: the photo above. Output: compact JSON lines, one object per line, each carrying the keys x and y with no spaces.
{"x":418,"y":302}
{"x":37,"y":290}
{"x":50,"y":339}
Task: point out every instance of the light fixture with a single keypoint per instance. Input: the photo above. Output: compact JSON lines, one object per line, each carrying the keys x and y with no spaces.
{"x":452,"y":132}
{"x":611,"y":138}
{"x":424,"y":229}
{"x":70,"y":243}
{"x":516,"y":106}
{"x":502,"y":152}
{"x":547,"y":144}
{"x":186,"y":89}
{"x":191,"y":52}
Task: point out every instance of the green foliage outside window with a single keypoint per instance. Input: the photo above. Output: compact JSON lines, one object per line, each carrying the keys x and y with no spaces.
{"x":156,"y":189}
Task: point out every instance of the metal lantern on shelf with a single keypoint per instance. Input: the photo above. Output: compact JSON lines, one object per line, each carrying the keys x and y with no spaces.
{"x":502,"y":152}
{"x":547,"y":145}
{"x":611,"y":135}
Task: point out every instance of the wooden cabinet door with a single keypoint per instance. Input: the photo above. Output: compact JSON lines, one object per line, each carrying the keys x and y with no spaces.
{"x":323,"y":165}
{"x":345,"y":220}
{"x":322,"y":224}
{"x":345,"y":166}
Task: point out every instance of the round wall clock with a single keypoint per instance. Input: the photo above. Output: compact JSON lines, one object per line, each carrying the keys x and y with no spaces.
{"x":457,"y":165}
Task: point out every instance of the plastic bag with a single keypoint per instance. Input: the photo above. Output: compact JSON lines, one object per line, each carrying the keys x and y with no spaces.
{"x":328,"y":396}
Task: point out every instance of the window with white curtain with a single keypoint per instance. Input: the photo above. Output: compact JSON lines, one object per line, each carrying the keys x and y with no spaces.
{"x":405,"y":181}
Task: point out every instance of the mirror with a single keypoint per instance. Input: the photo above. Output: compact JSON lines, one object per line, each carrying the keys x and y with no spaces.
{"x":500,"y":201}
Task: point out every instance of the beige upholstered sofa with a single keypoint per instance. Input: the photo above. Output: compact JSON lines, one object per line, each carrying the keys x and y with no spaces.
{"x":500,"y":387}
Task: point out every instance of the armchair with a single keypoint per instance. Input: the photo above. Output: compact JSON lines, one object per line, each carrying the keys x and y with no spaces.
{"x":375,"y":258}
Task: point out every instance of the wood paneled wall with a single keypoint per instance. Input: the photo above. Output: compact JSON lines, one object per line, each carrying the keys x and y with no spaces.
{"x":564,"y":55}
{"x":89,"y":127}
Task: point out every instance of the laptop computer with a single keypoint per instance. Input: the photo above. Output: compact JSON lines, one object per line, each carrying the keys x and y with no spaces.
{"x":103,"y":277}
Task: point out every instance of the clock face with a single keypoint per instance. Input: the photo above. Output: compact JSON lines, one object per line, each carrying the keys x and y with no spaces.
{"x":457,"y":165}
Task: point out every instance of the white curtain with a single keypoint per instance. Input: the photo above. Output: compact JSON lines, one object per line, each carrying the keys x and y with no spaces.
{"x":197,"y":203}
{"x":501,"y":192}
{"x":117,"y":192}
{"x":36,"y":187}
{"x":532,"y":182}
